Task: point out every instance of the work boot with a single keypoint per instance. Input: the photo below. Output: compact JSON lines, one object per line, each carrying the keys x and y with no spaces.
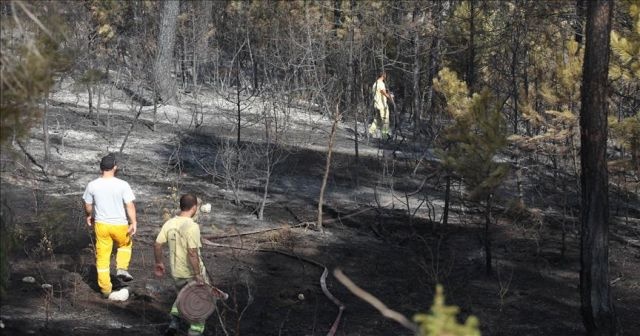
{"x":174,"y":326}
{"x":177,"y":326}
{"x":123,"y":275}
{"x":171,"y":331}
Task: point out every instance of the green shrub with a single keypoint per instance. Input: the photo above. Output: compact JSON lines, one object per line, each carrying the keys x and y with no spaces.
{"x":442,"y":320}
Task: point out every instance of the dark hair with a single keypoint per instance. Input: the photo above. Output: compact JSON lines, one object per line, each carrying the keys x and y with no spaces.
{"x":383,"y":73}
{"x":187,"y":201}
{"x":108,"y":162}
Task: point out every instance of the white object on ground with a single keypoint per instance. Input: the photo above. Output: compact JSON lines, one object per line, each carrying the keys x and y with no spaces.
{"x":300,"y":296}
{"x":47,"y":286}
{"x":120,"y":295}
{"x":29,"y":279}
{"x":206,"y":208}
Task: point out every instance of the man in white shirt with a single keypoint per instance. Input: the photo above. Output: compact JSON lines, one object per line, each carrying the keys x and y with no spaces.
{"x":380,"y":96}
{"x":108,"y":203}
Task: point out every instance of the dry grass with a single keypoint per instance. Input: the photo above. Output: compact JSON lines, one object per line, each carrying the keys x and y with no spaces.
{"x":282,"y":238}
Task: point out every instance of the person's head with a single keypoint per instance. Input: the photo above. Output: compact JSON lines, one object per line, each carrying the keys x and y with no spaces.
{"x":108,"y":163}
{"x":383,"y":74}
{"x":189,"y":203}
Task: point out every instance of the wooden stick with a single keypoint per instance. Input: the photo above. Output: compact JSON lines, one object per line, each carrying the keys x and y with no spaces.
{"x":328,"y":221}
{"x":327,"y":293}
{"x":375,"y":302}
{"x":240,"y":234}
{"x":32,"y":159}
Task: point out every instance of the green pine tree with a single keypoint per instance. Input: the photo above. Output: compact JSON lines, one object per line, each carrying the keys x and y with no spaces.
{"x":28,"y":70}
{"x":625,"y":62}
{"x":556,"y":126}
{"x":625,"y":71}
{"x":475,"y":138}
{"x":27,"y":74}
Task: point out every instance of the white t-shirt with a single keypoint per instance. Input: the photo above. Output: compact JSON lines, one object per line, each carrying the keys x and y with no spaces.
{"x":108,"y":196}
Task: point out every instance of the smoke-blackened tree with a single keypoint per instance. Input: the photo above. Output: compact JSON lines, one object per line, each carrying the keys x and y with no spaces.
{"x":164,"y":82}
{"x":596,"y":300}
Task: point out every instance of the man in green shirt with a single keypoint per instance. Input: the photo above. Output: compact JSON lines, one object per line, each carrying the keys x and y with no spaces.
{"x":182,"y":235}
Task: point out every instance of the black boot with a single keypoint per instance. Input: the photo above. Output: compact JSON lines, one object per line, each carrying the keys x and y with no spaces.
{"x":174,"y":326}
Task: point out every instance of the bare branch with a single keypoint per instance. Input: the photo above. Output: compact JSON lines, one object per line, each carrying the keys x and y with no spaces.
{"x":34,"y":18}
{"x":375,"y":302}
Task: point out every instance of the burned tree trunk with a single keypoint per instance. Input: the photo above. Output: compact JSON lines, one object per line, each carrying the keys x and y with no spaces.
{"x":417,"y":41}
{"x":471,"y":56}
{"x":447,"y":200}
{"x":45,"y":129}
{"x":323,"y":186}
{"x":597,"y":308}
{"x":166,"y":41}
{"x":487,"y":234}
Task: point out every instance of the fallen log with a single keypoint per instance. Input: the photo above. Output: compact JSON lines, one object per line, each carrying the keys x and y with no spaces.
{"x":301,"y":224}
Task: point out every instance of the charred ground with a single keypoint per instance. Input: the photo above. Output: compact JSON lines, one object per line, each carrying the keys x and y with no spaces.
{"x":369,"y":234}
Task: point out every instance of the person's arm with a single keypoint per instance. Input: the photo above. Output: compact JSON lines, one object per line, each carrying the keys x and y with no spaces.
{"x":386,"y":94}
{"x":159,"y":267}
{"x":88,"y":210}
{"x":194,"y":261}
{"x":131,"y":213}
{"x":383,"y":90}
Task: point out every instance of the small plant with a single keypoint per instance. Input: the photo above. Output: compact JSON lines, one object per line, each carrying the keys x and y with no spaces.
{"x":48,"y":298}
{"x":174,"y":198}
{"x":44,"y":247}
{"x":436,"y":267}
{"x":52,"y":235}
{"x":442,"y":321}
{"x":504,"y":285}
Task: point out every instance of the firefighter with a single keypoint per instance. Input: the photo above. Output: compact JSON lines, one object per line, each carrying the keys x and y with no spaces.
{"x":108,"y":204}
{"x":182,"y":234}
{"x":380,"y":97}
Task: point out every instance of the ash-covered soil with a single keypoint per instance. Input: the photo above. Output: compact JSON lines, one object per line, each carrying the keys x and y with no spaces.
{"x":271,"y":266}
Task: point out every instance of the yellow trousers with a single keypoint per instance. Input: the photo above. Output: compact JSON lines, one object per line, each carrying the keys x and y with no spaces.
{"x":383,"y":118}
{"x":106,"y":235}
